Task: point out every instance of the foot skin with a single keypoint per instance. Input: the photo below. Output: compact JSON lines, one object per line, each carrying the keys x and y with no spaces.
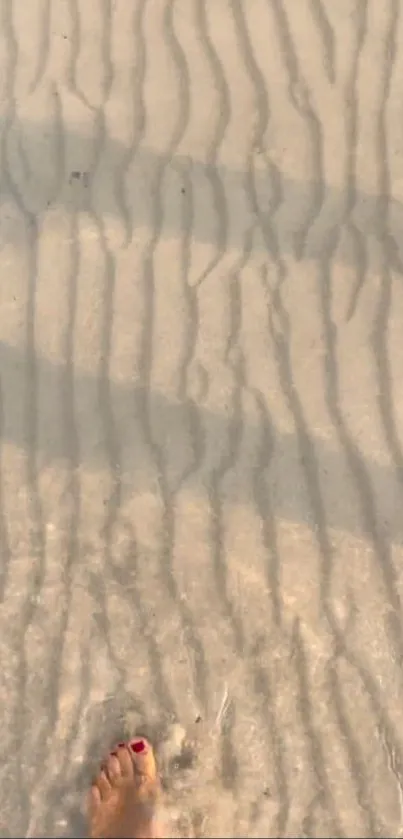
{"x":123,"y":798}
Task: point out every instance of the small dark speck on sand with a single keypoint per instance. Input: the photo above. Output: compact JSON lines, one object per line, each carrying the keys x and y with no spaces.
{"x":76,"y":175}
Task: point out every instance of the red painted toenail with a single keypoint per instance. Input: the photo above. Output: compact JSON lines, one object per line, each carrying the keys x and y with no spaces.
{"x":138,"y":746}
{"x":115,"y":754}
{"x":121,"y":745}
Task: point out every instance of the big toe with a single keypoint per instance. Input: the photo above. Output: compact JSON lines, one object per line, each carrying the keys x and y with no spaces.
{"x":143,"y":758}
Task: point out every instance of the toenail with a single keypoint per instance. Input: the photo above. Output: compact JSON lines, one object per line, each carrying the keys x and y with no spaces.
{"x":121,"y":745}
{"x":115,"y":754}
{"x":138,"y":746}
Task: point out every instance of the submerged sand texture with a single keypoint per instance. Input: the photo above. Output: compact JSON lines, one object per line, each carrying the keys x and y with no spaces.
{"x":201,"y":406}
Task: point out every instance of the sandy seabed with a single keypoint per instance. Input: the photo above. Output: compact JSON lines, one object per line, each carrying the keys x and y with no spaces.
{"x":201,"y":404}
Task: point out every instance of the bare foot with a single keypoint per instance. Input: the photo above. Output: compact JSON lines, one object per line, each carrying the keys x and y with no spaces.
{"x":124,"y":796}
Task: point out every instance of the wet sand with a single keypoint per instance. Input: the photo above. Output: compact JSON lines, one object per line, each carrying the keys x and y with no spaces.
{"x":201,"y":404}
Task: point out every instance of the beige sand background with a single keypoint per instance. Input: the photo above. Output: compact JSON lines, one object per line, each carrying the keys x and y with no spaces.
{"x":201,"y":360}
